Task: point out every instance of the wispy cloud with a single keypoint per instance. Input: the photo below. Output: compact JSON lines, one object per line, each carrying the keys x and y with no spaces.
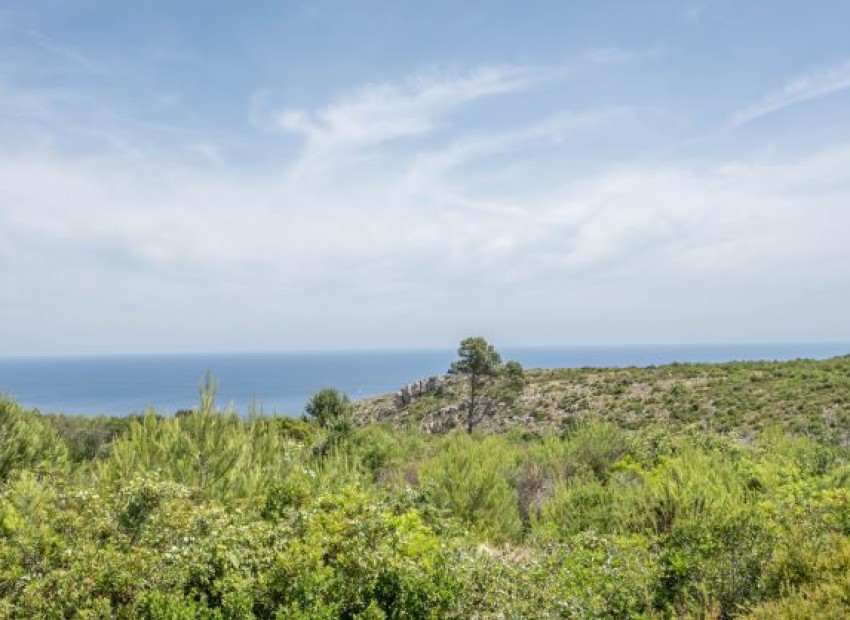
{"x":408,"y":215}
{"x":168,"y":240}
{"x":63,"y":51}
{"x":382,"y":112}
{"x":801,"y":88}
{"x":430,"y":165}
{"x":381,"y":116}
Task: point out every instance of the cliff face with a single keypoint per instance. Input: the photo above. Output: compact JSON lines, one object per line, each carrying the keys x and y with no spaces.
{"x":803,"y":396}
{"x":418,"y":389}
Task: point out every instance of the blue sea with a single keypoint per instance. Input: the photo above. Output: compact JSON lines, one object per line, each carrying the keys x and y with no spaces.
{"x":282,"y":382}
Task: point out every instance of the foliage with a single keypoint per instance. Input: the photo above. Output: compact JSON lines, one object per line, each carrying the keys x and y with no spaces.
{"x":800,"y":397}
{"x":88,"y":438}
{"x":211,"y":515}
{"x":27,"y":441}
{"x":217,"y":454}
{"x":330,"y":409}
{"x":479,"y":361}
{"x":469,"y":477}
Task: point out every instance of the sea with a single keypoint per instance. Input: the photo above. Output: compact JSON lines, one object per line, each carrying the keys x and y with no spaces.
{"x":281,"y":383}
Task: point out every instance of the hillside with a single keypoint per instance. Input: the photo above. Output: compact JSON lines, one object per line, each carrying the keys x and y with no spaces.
{"x":654,"y":497}
{"x":803,"y":396}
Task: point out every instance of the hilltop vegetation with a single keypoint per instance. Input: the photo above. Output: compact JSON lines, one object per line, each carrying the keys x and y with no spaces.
{"x":695,"y":491}
{"x":804,"y":397}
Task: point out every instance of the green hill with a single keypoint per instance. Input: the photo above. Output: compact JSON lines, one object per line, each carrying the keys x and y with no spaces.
{"x":803,"y":396}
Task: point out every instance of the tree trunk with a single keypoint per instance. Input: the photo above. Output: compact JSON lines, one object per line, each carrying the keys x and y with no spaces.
{"x":470,"y":415}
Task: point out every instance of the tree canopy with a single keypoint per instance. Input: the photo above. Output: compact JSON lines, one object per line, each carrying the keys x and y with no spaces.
{"x":329,"y":407}
{"x":479,"y":361}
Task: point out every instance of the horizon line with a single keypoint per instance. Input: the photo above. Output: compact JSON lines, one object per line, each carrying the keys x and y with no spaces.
{"x":413,"y":349}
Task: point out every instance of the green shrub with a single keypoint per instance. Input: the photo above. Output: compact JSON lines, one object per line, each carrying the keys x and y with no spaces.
{"x":88,"y":438}
{"x":596,"y":446}
{"x":27,"y":441}
{"x":469,"y":477}
{"x":695,"y":484}
{"x":208,"y":515}
{"x":826,"y":600}
{"x":216,"y":454}
{"x":352,"y":557}
{"x":714,"y":562}
{"x":584,"y":503}
{"x":587,"y":577}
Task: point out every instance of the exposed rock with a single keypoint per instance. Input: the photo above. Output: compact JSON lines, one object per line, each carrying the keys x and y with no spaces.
{"x":418,"y":389}
{"x":445,"y":419}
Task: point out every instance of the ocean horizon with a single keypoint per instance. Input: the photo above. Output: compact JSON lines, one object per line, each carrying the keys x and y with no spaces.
{"x":281,"y":383}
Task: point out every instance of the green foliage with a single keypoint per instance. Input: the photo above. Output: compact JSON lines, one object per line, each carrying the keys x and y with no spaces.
{"x":478,"y":358}
{"x":714,"y":562}
{"x":27,"y":441}
{"x":800,"y":397}
{"x":209,"y":515}
{"x":825,"y":600}
{"x":479,"y":361}
{"x":514,"y":375}
{"x":217,"y":455}
{"x":354,"y":558}
{"x":88,"y":438}
{"x":387,"y":454}
{"x":595,"y":446}
{"x":469,"y":477}
{"x":580,"y":504}
{"x":330,"y":409}
{"x":805,"y":397}
{"x":584,"y":577}
{"x":692,"y":485}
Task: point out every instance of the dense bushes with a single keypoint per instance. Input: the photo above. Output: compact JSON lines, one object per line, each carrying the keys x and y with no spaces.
{"x":27,"y":441}
{"x":88,"y":438}
{"x":208,"y":515}
{"x":470,"y":477}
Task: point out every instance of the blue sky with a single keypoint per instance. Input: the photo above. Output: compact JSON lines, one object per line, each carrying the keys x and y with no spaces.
{"x":218,"y":176}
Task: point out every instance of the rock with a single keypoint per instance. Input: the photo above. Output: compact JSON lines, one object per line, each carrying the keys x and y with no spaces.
{"x":418,"y":389}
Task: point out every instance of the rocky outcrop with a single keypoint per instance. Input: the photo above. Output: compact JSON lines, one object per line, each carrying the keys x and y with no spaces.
{"x":445,"y":419}
{"x":418,"y":389}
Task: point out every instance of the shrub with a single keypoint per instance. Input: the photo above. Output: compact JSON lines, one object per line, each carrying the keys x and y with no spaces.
{"x":330,"y":409}
{"x":469,"y":477}
{"x":27,"y":441}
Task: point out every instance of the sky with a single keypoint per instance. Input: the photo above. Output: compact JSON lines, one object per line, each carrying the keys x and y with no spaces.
{"x":203,"y":176}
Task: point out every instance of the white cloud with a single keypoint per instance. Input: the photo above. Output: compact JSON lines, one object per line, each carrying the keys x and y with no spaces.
{"x":69,"y":226}
{"x":379,"y":113}
{"x":379,"y":237}
{"x":801,"y":88}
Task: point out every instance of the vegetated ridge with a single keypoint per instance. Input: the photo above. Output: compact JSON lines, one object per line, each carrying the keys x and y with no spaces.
{"x":808,"y":397}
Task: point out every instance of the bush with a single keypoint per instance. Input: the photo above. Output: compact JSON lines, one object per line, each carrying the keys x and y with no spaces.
{"x":353,"y":556}
{"x":587,"y":577}
{"x":217,"y":455}
{"x":88,"y":438}
{"x":208,"y":515}
{"x":27,"y":441}
{"x":469,"y":477}
{"x":330,"y":409}
{"x":596,"y":446}
{"x":584,"y":503}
